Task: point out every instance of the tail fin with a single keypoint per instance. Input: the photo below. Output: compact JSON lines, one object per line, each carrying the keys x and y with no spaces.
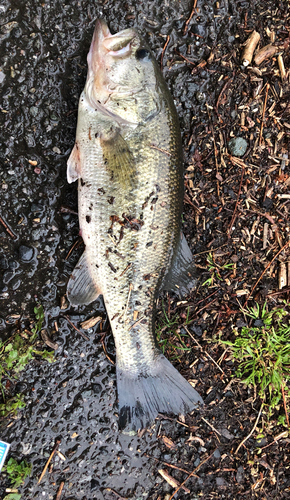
{"x":164,"y":390}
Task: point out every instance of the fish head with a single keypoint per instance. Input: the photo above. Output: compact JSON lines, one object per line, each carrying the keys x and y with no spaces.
{"x":120,"y":66}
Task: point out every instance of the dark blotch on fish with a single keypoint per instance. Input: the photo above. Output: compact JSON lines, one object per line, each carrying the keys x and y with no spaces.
{"x":112,"y":267}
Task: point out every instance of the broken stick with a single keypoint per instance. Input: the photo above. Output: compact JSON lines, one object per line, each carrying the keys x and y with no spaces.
{"x":250,"y":45}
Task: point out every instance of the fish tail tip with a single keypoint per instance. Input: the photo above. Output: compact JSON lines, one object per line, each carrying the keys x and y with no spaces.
{"x":162,"y":390}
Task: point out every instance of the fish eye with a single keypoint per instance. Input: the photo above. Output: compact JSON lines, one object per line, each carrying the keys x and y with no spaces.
{"x":143,"y":54}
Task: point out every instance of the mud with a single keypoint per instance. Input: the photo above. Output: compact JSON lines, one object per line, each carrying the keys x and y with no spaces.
{"x":42,"y":72}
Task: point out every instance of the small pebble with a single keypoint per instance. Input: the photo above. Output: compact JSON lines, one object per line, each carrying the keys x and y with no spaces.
{"x":267,"y":203}
{"x":220,"y":481}
{"x":200,"y":96}
{"x":240,"y":474}
{"x":226,"y":434}
{"x":26,"y":253}
{"x":238,"y":146}
{"x":33,"y":111}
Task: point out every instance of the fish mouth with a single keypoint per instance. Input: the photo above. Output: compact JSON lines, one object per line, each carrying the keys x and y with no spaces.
{"x":104,"y":49}
{"x":104,"y":43}
{"x":100,"y":33}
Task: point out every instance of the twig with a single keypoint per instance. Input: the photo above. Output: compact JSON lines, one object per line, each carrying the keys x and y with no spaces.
{"x":266,"y":268}
{"x":58,"y":495}
{"x":7,"y":229}
{"x":163,"y":50}
{"x":152,"y":146}
{"x":221,"y":93}
{"x":276,"y":439}
{"x":115,"y":493}
{"x":249,"y":435}
{"x":281,"y":67}
{"x":250,"y":45}
{"x":81,"y":333}
{"x":106,"y":354}
{"x":128,"y":299}
{"x":185,"y":58}
{"x":235,"y":209}
{"x":212,"y":427}
{"x":265,"y":53}
{"x":165,"y":417}
{"x":285,"y":406}
{"x":201,"y":65}
{"x":205,"y":298}
{"x":66,"y":210}
{"x":263,"y":116}
{"x":171,"y":480}
{"x":126,"y":269}
{"x":168,"y":465}
{"x":136,"y":323}
{"x":190,"y":17}
{"x":76,"y":244}
{"x":285,"y":290}
{"x":215,"y":152}
{"x":205,"y":352}
{"x":197,"y":312}
{"x":190,"y":475}
{"x":210,"y":250}
{"x":175,"y":467}
{"x":49,"y":460}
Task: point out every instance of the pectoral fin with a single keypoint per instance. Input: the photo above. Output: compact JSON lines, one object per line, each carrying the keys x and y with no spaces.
{"x":181,"y":278}
{"x":81,"y":288}
{"x":118,"y":159}
{"x":74,"y":165}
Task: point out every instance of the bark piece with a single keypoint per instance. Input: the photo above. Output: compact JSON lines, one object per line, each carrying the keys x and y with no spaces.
{"x":282,"y":275}
{"x":250,"y":45}
{"x":265,"y":53}
{"x":281,"y":67}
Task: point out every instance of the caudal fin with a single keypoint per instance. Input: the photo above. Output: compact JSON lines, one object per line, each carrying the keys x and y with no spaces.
{"x":162,"y":390}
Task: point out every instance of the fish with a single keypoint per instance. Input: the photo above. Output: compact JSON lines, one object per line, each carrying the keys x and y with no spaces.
{"x":127,"y":159}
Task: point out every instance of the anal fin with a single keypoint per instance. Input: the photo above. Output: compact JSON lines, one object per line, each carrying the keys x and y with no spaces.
{"x":81,"y":289}
{"x":181,"y":277}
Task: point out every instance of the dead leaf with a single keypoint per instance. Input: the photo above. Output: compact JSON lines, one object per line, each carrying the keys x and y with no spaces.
{"x":168,"y":442}
{"x":89,"y":323}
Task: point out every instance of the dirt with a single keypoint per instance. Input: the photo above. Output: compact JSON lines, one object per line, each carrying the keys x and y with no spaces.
{"x":236,"y":208}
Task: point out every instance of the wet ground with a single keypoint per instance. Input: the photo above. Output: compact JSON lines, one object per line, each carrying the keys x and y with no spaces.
{"x":42,"y":72}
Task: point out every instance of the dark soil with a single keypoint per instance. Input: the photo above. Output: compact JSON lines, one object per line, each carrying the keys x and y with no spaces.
{"x":236,"y":208}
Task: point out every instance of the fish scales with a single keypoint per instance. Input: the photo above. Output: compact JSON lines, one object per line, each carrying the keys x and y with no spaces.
{"x":128,"y":161}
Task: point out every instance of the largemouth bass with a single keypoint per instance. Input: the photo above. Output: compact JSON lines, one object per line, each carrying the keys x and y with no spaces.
{"x":128,"y":161}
